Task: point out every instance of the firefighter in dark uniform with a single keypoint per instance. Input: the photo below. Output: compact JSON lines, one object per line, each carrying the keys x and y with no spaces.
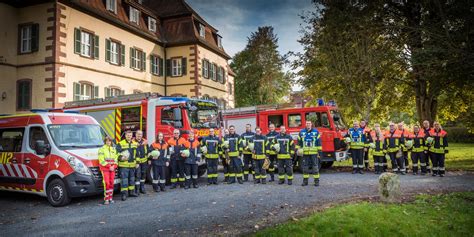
{"x":244,"y":139}
{"x":364,"y":126}
{"x":438,"y":141}
{"x":223,"y":158}
{"x":405,"y":134}
{"x":426,"y":131}
{"x":357,"y":141}
{"x":285,"y":151}
{"x":230,"y":146}
{"x":177,"y":144}
{"x":159,"y":163}
{"x":210,"y":147}
{"x":379,"y":148}
{"x":418,"y":150}
{"x":191,"y":166}
{"x":259,"y":142}
{"x":142,"y":161}
{"x":272,"y":155}
{"x":127,"y":165}
{"x":309,"y":143}
{"x":394,"y":142}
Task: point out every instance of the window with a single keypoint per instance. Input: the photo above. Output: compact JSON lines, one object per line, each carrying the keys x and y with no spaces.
{"x":151,"y":24}
{"x":11,"y":139}
{"x":314,"y":117}
{"x":113,"y":91}
{"x":37,"y":134}
{"x":202,"y":31}
{"x":114,"y":52}
{"x":212,"y":71}
{"x":28,"y":38}
{"x":219,"y":41}
{"x":86,"y":43}
{"x":85,"y":91}
{"x":112,"y":5}
{"x":176,"y":67}
{"x":137,"y":59}
{"x":275,"y":119}
{"x":168,"y":116}
{"x":294,"y":120}
{"x":23,"y":94}
{"x":325,"y":120}
{"x":134,"y":15}
{"x":156,"y":65}
{"x":230,"y":88}
{"x":220,"y":75}
{"x":205,"y":68}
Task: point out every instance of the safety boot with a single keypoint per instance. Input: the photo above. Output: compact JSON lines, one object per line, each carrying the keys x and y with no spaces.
{"x":132,"y":193}
{"x":281,"y":181}
{"x":124,"y":195}
{"x":264,"y":181}
{"x":195,"y":183}
{"x":142,"y":188}
{"x":305,"y":182}
{"x":162,"y":187}
{"x":173,"y":186}
{"x":354,"y":170}
{"x":137,"y":190}
{"x":290,"y":182}
{"x":246,"y":177}
{"x":256,"y":181}
{"x":240,"y":181}
{"x":316,"y":182}
{"x":272,"y":177}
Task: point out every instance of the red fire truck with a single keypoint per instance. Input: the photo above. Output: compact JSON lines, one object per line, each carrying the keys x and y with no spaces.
{"x":151,"y":114}
{"x":325,"y":117}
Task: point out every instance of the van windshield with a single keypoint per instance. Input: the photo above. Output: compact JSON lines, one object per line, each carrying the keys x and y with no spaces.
{"x":338,"y":122}
{"x":76,"y":136}
{"x":203,"y":115}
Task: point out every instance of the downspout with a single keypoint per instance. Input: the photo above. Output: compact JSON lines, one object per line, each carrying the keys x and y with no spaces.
{"x":165,"y":71}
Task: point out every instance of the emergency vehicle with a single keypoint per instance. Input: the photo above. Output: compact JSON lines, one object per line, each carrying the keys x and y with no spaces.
{"x":50,"y":154}
{"x":325,"y":117}
{"x":151,"y":114}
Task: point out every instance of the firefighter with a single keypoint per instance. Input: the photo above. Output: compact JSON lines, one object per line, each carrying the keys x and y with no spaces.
{"x":177,"y":144}
{"x":127,"y":150}
{"x":418,"y":149}
{"x":379,"y":148}
{"x":272,"y":155}
{"x":230,"y":147}
{"x":427,"y":130}
{"x":309,"y":144}
{"x":404,"y":133}
{"x":357,"y":140}
{"x":108,"y":163}
{"x":364,"y":126}
{"x":222,"y":155}
{"x":438,"y":141}
{"x":191,"y":166}
{"x":210,"y":148}
{"x":142,"y":161}
{"x":394,"y":140}
{"x":285,"y":151}
{"x":159,"y":163}
{"x":259,"y":143}
{"x":247,"y":154}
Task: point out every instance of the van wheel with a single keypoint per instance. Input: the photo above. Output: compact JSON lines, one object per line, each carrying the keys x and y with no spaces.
{"x":57,"y":193}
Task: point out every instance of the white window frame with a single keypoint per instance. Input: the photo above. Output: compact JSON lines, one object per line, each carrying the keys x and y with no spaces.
{"x":26,"y":38}
{"x":176,"y":68}
{"x":86,"y":44}
{"x":219,"y":41}
{"x":202,"y":30}
{"x":136,"y":58}
{"x":151,"y":24}
{"x":220,"y":74}
{"x":83,"y":95}
{"x":114,"y":52}
{"x":155,"y":65}
{"x":111,"y":5}
{"x":205,"y":68}
{"x":134,"y":15}
{"x":212,"y":73}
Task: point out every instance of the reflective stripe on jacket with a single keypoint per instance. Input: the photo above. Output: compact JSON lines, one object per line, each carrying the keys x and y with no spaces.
{"x":132,"y":149}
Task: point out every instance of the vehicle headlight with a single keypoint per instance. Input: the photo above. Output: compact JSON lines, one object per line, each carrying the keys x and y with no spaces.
{"x":78,"y":165}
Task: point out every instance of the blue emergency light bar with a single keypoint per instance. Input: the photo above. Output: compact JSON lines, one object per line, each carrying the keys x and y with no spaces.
{"x":320,"y":102}
{"x":331,"y":103}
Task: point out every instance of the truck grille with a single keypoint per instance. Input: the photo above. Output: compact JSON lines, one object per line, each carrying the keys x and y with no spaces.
{"x":98,"y":175}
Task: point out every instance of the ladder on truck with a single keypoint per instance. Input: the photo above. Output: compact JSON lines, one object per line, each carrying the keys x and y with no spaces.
{"x":111,"y":100}
{"x":257,"y":108}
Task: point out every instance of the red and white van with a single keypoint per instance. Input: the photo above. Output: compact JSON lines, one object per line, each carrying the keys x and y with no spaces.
{"x":50,"y":154}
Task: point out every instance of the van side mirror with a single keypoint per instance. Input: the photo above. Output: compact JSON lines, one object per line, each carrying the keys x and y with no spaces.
{"x":177,"y":114}
{"x":41,"y":148}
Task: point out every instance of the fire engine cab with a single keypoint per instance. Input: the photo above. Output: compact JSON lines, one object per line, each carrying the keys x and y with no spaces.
{"x":50,"y":154}
{"x":325,"y":117}
{"x":151,"y":114}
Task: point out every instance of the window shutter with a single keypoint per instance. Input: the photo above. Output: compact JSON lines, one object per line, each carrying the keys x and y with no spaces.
{"x":96,"y":46}
{"x":34,"y":37}
{"x":143,"y":59}
{"x":77,"y":41}
{"x":122,"y":55}
{"x":106,"y":92}
{"x":207,"y":66}
{"x":168,"y":67}
{"x":107,"y":50}
{"x":132,"y":62}
{"x":183,"y":66}
{"x":203,"y":66}
{"x":96,"y":92}
{"x":152,"y":68}
{"x":160,"y":66}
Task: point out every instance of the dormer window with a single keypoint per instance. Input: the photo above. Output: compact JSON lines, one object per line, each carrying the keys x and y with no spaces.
{"x":134,"y":15}
{"x":151,"y":24}
{"x":112,"y":6}
{"x":219,"y":41}
{"x":140,"y":1}
{"x":202,"y":31}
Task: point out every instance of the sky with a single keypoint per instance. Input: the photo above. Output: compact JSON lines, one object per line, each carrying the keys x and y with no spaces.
{"x":235,"y":20}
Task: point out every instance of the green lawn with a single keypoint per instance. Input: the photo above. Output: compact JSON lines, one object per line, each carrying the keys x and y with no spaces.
{"x":440,"y":215}
{"x":460,"y":157}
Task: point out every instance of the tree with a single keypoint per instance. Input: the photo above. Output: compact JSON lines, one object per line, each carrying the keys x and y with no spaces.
{"x":259,"y":70}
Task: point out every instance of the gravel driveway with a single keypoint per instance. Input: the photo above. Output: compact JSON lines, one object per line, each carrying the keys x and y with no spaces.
{"x":208,"y":210}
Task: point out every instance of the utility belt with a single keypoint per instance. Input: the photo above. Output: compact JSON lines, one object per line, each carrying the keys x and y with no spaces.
{"x":127,"y":164}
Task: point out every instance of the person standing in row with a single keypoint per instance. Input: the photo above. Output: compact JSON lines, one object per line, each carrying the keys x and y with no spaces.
{"x":272,"y":155}
{"x":108,"y":163}
{"x":309,"y":144}
{"x":230,"y":146}
{"x":190,"y":164}
{"x":357,"y":141}
{"x":177,"y":144}
{"x":394,"y":140}
{"x":364,"y":126}
{"x":418,"y":150}
{"x":259,"y":142}
{"x":404,"y":135}
{"x":427,"y":131}
{"x":210,"y":146}
{"x":159,"y":163}
{"x":438,"y":147}
{"x":244,"y":140}
{"x":379,"y":148}
{"x":224,"y":159}
{"x":142,"y":161}
{"x":284,"y":147}
{"x":127,"y":150}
